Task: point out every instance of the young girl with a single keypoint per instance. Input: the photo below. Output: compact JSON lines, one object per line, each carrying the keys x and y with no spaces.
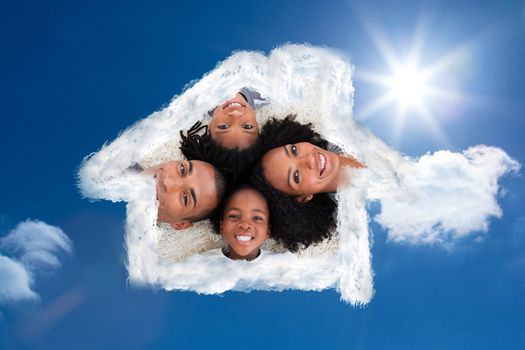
{"x":244,"y":222}
{"x":231,"y":139}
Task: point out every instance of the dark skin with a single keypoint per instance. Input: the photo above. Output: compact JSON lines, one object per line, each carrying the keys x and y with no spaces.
{"x":185,"y":189}
{"x":303,"y":169}
{"x":233,"y":125}
{"x":245,"y":224}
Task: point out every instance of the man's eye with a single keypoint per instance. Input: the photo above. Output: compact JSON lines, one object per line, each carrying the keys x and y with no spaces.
{"x":182,"y":169}
{"x":293,"y":148}
{"x":247,"y":126}
{"x":296,"y":177}
{"x":223,"y":126}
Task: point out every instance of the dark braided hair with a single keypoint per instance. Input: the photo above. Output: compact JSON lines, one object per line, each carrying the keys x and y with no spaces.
{"x":296,"y":225}
{"x":233,"y":163}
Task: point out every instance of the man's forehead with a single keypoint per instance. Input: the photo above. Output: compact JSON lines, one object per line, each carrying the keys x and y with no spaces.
{"x":203,"y":180}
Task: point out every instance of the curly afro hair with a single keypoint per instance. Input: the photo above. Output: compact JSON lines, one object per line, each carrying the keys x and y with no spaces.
{"x":296,"y":225}
{"x":279,"y":132}
{"x":233,"y":163}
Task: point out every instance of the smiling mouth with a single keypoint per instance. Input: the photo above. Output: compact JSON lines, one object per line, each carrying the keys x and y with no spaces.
{"x":322,"y":164}
{"x":233,"y":104}
{"x":244,"y":238}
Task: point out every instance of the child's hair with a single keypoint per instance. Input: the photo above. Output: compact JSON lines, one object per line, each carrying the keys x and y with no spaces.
{"x":233,"y":163}
{"x":296,"y":225}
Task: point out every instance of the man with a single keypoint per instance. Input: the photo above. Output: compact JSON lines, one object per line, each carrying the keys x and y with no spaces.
{"x":187,"y":191}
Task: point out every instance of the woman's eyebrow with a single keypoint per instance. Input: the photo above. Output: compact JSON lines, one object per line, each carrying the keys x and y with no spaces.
{"x":290,"y":177}
{"x":286,"y":151}
{"x":190,"y":170}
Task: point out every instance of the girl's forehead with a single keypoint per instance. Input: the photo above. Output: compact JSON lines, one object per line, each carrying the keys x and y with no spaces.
{"x":247,"y":197}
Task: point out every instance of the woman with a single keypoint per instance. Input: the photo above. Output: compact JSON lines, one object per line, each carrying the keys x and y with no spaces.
{"x":298,"y":174}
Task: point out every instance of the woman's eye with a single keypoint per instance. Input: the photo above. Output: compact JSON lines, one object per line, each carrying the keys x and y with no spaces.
{"x":233,"y":217}
{"x":257,"y":218}
{"x":182,"y":169}
{"x":293,"y":148}
{"x":223,"y":126}
{"x":185,"y":198}
{"x":296,"y":177}
{"x":247,"y":126}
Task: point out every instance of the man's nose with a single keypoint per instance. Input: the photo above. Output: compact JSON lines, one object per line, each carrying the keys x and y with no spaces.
{"x":172,"y":183}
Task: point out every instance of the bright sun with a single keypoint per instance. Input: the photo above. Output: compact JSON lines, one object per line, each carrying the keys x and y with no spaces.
{"x":410,"y":87}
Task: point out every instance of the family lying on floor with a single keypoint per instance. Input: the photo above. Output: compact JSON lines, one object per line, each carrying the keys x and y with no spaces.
{"x":279,"y":181}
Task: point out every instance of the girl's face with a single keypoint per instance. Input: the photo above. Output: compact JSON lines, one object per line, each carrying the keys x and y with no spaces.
{"x":245,"y":224}
{"x":233,"y":124}
{"x":301,"y":169}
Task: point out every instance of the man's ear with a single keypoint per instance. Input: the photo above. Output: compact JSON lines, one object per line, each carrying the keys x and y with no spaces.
{"x":220,"y":227}
{"x":181,"y":224}
{"x":305,"y":198}
{"x":268,"y":233}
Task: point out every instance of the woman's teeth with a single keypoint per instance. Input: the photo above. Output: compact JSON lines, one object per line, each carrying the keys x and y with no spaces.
{"x":322,"y":161}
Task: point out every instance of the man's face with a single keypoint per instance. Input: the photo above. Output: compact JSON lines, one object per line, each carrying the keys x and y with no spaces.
{"x":233,"y":124}
{"x":185,"y":190}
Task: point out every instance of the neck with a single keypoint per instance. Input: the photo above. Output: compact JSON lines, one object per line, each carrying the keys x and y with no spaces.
{"x":234,"y":256}
{"x":342,"y":179}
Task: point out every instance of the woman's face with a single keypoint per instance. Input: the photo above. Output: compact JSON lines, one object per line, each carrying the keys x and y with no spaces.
{"x":245,"y":224}
{"x":233,"y":124}
{"x":301,"y":169}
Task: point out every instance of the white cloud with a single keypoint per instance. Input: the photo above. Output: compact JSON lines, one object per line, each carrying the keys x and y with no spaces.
{"x":447,"y":195}
{"x":16,"y":281}
{"x":32,"y":247}
{"x":430,"y":199}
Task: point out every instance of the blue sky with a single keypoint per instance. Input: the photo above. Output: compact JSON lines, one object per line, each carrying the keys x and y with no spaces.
{"x":74,"y":75}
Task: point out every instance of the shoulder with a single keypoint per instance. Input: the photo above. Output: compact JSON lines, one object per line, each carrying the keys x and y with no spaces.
{"x":253,"y":97}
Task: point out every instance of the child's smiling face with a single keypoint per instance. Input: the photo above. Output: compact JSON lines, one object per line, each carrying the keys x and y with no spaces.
{"x":245,"y":224}
{"x":233,"y":124}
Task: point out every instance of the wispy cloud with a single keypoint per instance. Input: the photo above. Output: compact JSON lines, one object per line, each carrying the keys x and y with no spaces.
{"x":16,"y":281}
{"x":446,"y":195}
{"x":435,"y":198}
{"x":28,"y":249}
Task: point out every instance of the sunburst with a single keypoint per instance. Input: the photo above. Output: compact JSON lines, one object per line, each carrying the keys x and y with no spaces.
{"x":410,"y":89}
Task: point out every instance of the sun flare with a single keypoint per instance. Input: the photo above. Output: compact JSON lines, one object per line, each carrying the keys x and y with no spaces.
{"x":408,"y":86}
{"x":410,"y":90}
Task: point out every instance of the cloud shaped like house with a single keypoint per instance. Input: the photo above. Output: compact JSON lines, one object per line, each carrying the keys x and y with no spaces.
{"x":315,"y":84}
